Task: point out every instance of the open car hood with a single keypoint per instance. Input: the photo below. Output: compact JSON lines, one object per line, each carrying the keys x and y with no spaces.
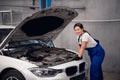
{"x":44,"y":25}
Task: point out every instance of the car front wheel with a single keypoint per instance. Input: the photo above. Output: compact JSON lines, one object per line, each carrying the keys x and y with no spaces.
{"x":13,"y":75}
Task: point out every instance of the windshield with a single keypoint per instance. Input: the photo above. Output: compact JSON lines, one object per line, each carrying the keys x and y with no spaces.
{"x":29,"y":43}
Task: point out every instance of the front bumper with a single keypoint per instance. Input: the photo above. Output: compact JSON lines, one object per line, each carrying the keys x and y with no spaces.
{"x":63,"y":76}
{"x":60,"y":76}
{"x":74,"y":68}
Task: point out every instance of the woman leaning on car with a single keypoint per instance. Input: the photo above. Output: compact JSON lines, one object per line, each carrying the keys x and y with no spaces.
{"x":95,"y":51}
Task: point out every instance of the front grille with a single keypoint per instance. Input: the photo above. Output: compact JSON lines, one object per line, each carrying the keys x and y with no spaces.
{"x":80,"y":77}
{"x":71,"y":70}
{"x":81,"y":67}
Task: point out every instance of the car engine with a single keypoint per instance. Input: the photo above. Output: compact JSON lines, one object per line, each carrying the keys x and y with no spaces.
{"x":41,"y":56}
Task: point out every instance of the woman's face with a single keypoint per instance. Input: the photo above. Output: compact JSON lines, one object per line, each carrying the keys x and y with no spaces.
{"x":78,"y":30}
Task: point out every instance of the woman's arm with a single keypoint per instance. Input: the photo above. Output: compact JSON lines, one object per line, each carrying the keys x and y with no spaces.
{"x":82,"y":48}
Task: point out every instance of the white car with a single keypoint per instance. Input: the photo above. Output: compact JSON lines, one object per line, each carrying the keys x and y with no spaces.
{"x":28,"y":53}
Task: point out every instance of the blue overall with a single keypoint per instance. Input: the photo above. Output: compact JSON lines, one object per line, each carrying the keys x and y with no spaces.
{"x":96,"y":56}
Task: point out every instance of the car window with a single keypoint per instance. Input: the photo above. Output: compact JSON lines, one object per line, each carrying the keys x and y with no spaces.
{"x":4,"y":33}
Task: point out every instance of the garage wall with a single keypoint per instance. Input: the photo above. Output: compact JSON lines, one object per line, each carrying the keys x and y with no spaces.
{"x":99,"y":17}
{"x":20,"y":9}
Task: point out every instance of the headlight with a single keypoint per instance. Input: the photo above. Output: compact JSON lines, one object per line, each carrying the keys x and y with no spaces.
{"x":45,"y":72}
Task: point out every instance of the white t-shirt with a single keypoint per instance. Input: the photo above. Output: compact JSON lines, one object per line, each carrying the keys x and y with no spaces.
{"x":90,"y":41}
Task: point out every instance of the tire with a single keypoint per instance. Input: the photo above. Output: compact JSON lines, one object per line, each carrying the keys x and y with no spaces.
{"x":13,"y":75}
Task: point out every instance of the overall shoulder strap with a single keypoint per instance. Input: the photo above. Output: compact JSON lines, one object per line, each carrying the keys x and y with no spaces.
{"x":79,"y":38}
{"x":92,"y":37}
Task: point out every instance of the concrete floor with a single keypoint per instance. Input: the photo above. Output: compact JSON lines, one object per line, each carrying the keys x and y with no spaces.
{"x":110,"y":76}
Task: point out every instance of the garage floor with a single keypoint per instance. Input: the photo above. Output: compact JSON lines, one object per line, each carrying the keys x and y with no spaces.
{"x":111,"y":76}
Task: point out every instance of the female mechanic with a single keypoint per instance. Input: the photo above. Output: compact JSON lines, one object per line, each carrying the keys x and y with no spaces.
{"x":95,"y":51}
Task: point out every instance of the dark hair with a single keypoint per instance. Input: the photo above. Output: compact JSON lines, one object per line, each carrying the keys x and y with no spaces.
{"x":79,"y":25}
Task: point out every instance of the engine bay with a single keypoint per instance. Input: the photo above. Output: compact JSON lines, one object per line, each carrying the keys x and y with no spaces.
{"x":42,"y":56}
